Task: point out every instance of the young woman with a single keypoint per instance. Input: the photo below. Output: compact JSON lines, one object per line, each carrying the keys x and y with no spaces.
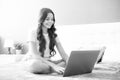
{"x":41,"y":45}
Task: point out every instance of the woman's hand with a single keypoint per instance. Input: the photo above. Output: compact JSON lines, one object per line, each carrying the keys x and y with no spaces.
{"x":58,"y":69}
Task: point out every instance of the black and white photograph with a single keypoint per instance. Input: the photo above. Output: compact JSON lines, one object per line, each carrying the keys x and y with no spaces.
{"x":59,"y":39}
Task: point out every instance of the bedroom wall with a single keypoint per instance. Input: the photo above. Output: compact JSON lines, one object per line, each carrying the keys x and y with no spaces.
{"x":92,"y":36}
{"x":17,"y":16}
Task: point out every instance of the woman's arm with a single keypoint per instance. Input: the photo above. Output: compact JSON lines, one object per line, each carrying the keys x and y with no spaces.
{"x":61,"y":50}
{"x":33,"y":50}
{"x":32,"y":46}
{"x":36,"y":54}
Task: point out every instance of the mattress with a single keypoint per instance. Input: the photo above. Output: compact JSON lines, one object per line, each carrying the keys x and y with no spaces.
{"x":102,"y":71}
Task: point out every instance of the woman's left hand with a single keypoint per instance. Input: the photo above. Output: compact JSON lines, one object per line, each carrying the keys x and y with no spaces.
{"x":58,"y":69}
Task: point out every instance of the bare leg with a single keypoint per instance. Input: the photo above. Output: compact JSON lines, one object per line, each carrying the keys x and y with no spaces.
{"x":101,"y":54}
{"x":37,"y":66}
{"x":62,"y":64}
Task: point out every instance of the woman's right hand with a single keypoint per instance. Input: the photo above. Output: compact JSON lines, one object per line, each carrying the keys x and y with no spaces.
{"x":58,"y":69}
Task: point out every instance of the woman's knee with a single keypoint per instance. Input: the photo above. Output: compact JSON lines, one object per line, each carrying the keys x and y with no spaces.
{"x":38,"y":66}
{"x":62,"y":64}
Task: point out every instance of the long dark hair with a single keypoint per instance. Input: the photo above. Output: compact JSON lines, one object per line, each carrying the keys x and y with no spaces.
{"x":51,"y":33}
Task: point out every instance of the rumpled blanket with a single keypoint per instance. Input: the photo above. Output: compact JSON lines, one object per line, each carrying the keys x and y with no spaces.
{"x":101,"y":71}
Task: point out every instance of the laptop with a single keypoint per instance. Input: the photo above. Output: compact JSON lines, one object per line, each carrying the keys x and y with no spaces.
{"x":81,"y":62}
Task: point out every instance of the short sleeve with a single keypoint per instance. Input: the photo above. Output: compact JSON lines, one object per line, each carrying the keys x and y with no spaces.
{"x":57,"y":39}
{"x":32,"y":35}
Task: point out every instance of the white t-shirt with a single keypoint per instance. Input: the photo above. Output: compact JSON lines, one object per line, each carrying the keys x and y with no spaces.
{"x":32,"y":36}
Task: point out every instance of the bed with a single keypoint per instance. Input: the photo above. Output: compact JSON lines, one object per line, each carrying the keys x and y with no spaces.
{"x":11,"y":70}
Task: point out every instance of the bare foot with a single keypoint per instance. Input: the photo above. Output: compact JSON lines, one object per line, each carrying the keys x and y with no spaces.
{"x":54,"y":74}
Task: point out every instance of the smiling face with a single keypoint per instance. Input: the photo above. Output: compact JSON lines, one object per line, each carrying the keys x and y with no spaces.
{"x":48,"y":22}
